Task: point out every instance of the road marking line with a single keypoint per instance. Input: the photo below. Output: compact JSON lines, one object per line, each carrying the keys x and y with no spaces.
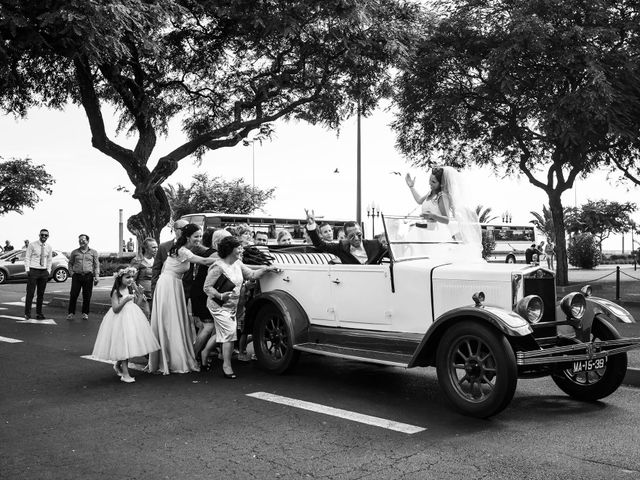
{"x":338,"y":412}
{"x":10,"y":340}
{"x":46,"y":321}
{"x":16,"y":304}
{"x":3,"y":308}
{"x":130,"y":365}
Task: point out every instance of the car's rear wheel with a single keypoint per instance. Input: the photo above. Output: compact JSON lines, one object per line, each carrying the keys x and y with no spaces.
{"x":60,"y":274}
{"x":3,"y":277}
{"x":595,"y":384}
{"x":476,"y":369}
{"x":273,"y":340}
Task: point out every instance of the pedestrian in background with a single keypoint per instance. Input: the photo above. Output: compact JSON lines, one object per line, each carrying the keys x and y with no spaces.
{"x":37,"y":264}
{"x":84,"y":266}
{"x":549,"y":251}
{"x":7,"y":246}
{"x":26,"y":244}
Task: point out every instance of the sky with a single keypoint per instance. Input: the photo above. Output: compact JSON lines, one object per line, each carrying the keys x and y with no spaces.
{"x":300,"y":161}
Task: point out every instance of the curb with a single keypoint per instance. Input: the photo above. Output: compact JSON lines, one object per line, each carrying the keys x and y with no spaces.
{"x":63,"y":302}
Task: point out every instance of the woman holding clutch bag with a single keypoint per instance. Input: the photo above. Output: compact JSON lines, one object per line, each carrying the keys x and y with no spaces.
{"x":222,"y":287}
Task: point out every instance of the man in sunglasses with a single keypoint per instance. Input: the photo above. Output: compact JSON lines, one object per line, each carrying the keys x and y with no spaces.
{"x":353,"y":250}
{"x":37,"y":263}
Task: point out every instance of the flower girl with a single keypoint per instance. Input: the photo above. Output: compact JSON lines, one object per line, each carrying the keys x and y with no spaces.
{"x":125,"y":331}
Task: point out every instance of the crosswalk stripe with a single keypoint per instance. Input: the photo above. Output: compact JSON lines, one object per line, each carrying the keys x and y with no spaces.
{"x":10,"y":340}
{"x":338,"y":412}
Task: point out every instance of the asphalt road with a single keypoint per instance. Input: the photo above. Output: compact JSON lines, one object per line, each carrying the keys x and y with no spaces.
{"x":66,"y":417}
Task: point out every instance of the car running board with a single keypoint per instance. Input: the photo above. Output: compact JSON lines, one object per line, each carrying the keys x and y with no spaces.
{"x":361,"y":355}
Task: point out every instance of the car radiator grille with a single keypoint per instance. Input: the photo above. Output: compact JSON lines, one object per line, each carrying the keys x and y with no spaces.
{"x":543,"y":284}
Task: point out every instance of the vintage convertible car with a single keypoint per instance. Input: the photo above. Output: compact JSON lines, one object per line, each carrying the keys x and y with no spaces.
{"x":435,"y":302}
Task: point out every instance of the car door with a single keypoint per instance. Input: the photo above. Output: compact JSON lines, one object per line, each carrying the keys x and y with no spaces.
{"x":361,"y":295}
{"x":309,"y":285}
{"x":15,"y":266}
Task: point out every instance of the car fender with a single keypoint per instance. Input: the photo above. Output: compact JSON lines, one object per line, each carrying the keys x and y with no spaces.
{"x":612,"y":311}
{"x":509,"y":323}
{"x":291,"y":310}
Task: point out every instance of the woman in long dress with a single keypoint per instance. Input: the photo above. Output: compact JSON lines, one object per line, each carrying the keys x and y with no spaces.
{"x":169,"y":317}
{"x":446,"y":213}
{"x":224,"y":314}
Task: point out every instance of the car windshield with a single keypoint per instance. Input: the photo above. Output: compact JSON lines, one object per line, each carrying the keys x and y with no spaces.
{"x":415,"y":237}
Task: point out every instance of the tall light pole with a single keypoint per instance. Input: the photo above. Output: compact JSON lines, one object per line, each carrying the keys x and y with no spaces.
{"x":120,"y":232}
{"x":358,"y":172}
{"x":246,"y":143}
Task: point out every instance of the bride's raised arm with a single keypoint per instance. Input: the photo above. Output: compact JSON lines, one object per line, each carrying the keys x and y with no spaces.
{"x":411,"y":184}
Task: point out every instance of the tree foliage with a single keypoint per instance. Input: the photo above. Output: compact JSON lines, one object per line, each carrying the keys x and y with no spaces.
{"x":485,"y":214}
{"x":20,"y":184}
{"x":583,"y":251}
{"x":548,"y":89}
{"x":216,"y":195}
{"x":544,"y":222}
{"x":601,"y":218}
{"x":225,"y":68}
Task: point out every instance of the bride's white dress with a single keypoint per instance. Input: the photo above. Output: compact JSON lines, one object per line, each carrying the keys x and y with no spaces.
{"x":170,"y":319}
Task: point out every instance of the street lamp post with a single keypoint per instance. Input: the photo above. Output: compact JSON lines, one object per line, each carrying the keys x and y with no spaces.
{"x":373,"y":211}
{"x":358,"y":172}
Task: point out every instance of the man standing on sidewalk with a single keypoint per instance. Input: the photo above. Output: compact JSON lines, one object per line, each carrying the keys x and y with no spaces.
{"x":85,"y":272}
{"x":37,"y":263}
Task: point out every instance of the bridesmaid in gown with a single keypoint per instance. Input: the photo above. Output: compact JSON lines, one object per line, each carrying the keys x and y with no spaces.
{"x":169,"y":316}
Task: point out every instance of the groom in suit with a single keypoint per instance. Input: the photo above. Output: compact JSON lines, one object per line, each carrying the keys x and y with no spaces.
{"x":353,"y":250}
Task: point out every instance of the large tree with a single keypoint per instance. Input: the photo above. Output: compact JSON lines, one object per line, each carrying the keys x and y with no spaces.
{"x":21,"y":183}
{"x":225,"y":68}
{"x":544,"y":88}
{"x":216,"y":195}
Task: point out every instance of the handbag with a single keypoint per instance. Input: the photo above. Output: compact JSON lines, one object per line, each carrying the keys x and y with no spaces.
{"x":223,"y":285}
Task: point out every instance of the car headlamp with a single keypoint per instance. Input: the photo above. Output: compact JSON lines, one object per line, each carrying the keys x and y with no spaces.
{"x":530,"y":308}
{"x":586,"y":291}
{"x":574,"y":305}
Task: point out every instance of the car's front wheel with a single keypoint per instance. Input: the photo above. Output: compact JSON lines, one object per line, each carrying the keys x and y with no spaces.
{"x":273,"y":340}
{"x":3,"y":277}
{"x":595,"y":384}
{"x":476,"y":369}
{"x":60,"y":274}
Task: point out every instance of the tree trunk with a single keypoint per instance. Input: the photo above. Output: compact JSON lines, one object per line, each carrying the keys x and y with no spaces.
{"x":557,"y":214}
{"x":155,"y":215}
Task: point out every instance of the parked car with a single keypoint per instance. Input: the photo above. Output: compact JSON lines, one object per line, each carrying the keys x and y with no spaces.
{"x":438,"y":303}
{"x":12,"y":267}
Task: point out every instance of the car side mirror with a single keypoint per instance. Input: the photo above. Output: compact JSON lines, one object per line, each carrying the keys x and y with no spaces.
{"x":13,"y":260}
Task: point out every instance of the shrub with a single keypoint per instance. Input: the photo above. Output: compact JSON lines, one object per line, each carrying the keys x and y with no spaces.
{"x":583,"y":251}
{"x":110,"y":265}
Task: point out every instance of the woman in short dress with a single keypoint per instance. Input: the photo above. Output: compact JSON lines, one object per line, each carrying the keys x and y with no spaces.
{"x":169,"y":317}
{"x":224,"y":317}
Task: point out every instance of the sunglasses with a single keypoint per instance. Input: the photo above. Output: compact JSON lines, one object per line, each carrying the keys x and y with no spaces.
{"x":354,"y":235}
{"x":44,"y":234}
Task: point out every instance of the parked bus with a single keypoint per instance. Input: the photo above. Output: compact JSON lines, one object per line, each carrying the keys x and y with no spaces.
{"x":511,"y":241}
{"x":258,"y":223}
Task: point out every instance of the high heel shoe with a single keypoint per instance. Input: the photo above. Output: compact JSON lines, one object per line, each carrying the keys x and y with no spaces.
{"x":230,"y":376}
{"x":127,"y":379}
{"x":206,"y":363}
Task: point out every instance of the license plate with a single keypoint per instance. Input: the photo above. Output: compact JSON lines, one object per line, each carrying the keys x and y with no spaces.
{"x":589,"y":365}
